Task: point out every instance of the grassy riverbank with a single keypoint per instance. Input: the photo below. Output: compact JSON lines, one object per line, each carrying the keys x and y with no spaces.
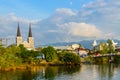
{"x":42,"y":63}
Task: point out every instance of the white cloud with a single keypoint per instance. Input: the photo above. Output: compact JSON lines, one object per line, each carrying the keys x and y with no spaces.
{"x":8,"y":25}
{"x":7,"y":22}
{"x":106,"y":8}
{"x":109,"y":35}
{"x":104,"y":14}
{"x":95,"y":4}
{"x":81,"y":29}
{"x":93,"y":19}
{"x":53,"y":31}
{"x":14,"y":18}
{"x":85,"y":13}
{"x":66,"y":11}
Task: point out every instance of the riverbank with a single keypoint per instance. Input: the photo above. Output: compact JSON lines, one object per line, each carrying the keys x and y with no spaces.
{"x":10,"y":68}
{"x":57,"y":63}
{"x":42,"y":63}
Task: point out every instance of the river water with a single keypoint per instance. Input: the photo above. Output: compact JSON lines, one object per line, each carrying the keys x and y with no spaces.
{"x":83,"y":72}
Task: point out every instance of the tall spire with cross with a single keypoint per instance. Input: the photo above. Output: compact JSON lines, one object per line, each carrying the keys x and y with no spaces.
{"x":30,"y":31}
{"x":18,"y":30}
{"x":18,"y":38}
{"x":30,"y":38}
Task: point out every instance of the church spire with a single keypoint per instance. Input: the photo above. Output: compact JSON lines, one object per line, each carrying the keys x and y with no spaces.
{"x":18,"y":31}
{"x":94,"y":43}
{"x":30,"y":32}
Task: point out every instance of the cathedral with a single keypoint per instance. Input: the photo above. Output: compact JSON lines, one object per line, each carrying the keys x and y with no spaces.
{"x":29,"y":44}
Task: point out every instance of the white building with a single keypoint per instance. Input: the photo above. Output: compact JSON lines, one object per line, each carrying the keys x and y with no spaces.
{"x":29,"y":44}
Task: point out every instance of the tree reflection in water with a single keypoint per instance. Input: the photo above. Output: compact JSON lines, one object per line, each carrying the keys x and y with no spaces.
{"x":69,"y":69}
{"x":98,"y":72}
{"x":52,"y":71}
{"x":106,"y":71}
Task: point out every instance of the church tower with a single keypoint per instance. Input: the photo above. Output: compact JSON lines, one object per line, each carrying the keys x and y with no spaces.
{"x":18,"y":38}
{"x":30,"y":38}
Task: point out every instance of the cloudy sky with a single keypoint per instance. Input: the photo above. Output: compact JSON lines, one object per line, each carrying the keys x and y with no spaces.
{"x":60,"y":20}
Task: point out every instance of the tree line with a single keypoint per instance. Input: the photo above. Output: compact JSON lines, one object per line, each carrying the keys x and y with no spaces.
{"x":19,"y":55}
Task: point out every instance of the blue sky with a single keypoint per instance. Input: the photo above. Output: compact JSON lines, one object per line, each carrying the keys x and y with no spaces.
{"x":61,"y":20}
{"x":40,"y":8}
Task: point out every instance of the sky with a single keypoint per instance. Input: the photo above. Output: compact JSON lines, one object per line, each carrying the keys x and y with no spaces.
{"x":60,"y":20}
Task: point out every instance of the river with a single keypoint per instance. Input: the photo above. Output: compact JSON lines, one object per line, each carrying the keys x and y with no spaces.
{"x":83,"y":72}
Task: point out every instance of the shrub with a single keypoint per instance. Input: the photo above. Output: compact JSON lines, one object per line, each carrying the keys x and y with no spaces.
{"x":69,"y":58}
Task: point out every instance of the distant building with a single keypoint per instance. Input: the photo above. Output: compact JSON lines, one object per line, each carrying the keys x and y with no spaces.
{"x":29,"y":44}
{"x":73,"y":47}
{"x":114,"y":44}
{"x":83,"y":52}
{"x":102,"y":45}
{"x":94,"y":43}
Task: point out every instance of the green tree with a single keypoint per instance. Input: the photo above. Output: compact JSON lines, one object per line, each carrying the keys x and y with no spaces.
{"x":12,"y":53}
{"x":2,"y":50}
{"x":110,"y":46}
{"x":27,"y":56}
{"x":8,"y":56}
{"x":104,"y":48}
{"x":49,"y":53}
{"x":70,"y":58}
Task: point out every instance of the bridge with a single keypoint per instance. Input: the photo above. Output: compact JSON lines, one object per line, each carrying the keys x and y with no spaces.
{"x":105,"y":55}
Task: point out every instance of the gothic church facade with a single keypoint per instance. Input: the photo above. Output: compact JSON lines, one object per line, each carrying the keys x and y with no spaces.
{"x":29,"y":44}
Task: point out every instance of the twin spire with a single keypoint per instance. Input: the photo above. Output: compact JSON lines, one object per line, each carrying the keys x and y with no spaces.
{"x":18,"y":31}
{"x":19,"y":34}
{"x":30,"y":31}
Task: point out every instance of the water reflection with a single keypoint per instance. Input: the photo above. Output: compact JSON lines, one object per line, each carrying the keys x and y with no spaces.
{"x":39,"y":73}
{"x":106,"y":71}
{"x":85,"y":72}
{"x":51,"y":71}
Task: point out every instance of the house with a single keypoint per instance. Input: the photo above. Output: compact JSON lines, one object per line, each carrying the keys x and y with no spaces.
{"x":82,"y":52}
